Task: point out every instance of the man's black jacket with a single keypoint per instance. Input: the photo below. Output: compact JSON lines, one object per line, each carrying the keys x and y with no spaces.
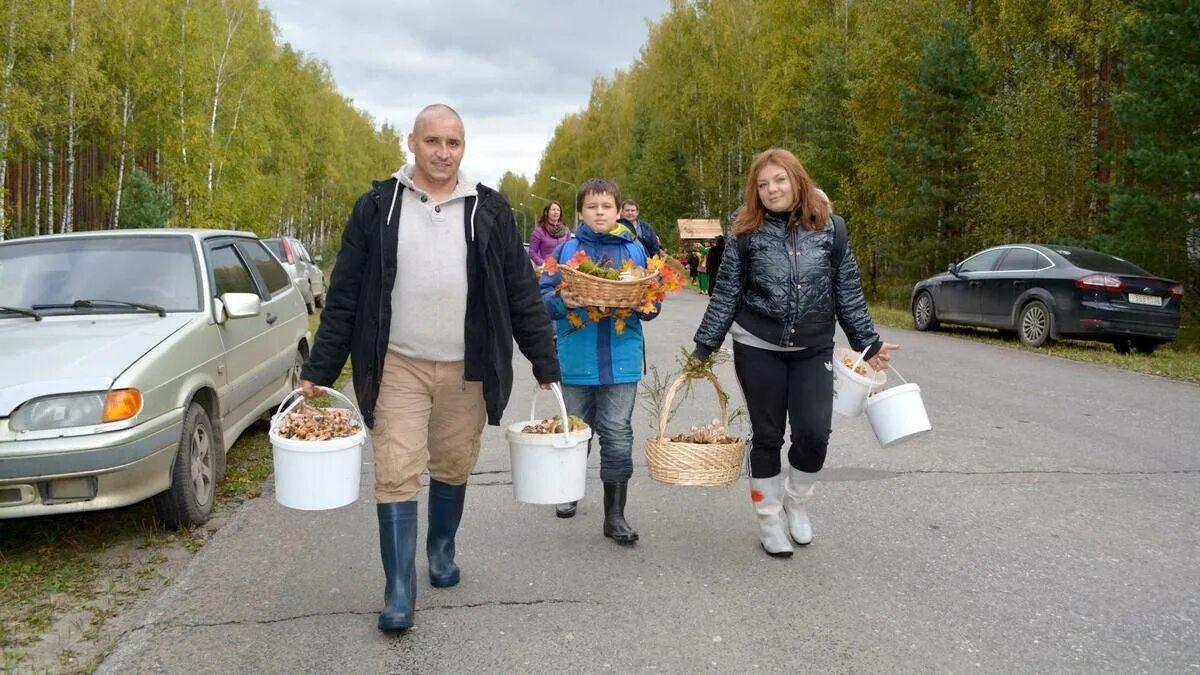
{"x":503,"y":301}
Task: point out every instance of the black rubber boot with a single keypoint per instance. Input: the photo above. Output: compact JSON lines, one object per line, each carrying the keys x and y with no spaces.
{"x":398,"y":549}
{"x":445,"y":513}
{"x":615,"y":526}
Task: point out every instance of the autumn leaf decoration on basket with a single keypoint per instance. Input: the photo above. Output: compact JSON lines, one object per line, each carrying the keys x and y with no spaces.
{"x":606,"y":292}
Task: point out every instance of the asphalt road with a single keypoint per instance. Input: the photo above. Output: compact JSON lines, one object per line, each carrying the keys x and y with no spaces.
{"x":1048,"y":524}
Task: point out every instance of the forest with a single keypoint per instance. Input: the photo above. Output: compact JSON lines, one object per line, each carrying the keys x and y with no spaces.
{"x":937,"y":127}
{"x":185,"y":113}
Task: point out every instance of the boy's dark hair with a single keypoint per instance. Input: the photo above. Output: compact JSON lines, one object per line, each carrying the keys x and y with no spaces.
{"x":597,"y":186}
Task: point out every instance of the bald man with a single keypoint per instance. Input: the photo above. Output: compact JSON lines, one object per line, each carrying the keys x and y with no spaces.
{"x":430,"y":287}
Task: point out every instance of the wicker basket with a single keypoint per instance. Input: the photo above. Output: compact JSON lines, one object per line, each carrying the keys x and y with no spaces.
{"x":680,"y":463}
{"x":592,"y":291}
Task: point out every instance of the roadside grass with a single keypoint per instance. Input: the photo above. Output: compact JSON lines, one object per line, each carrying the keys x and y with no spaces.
{"x":99,"y":563}
{"x":1178,"y":360}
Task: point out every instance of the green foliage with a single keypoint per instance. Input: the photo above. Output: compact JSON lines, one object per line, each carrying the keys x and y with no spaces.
{"x":937,"y":127}
{"x":928,"y":153}
{"x":1154,"y":211}
{"x":147,"y":206}
{"x":236,"y":129}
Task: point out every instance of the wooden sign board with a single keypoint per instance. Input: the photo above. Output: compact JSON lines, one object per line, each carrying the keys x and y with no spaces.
{"x":698,"y":228}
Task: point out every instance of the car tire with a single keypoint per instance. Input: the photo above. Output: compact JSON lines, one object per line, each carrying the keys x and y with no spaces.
{"x":1122,"y":345}
{"x":924,"y":314}
{"x":1145,"y":347}
{"x":294,"y":373}
{"x":189,"y":500}
{"x":319,"y":300}
{"x":1036,"y":324}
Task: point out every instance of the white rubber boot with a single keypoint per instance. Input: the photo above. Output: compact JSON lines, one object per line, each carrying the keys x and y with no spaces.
{"x":766,"y":494}
{"x":796,"y":492}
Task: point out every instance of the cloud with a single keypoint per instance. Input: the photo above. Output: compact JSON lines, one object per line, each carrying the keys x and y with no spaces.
{"x":511,"y":69}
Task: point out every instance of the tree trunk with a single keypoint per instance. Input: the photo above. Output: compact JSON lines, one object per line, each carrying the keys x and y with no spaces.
{"x":50,"y":161}
{"x":37,"y":197}
{"x":187,"y":200}
{"x":69,"y":190}
{"x":116,"y":219}
{"x":232,"y":22}
{"x":9,"y":60}
{"x":237,"y":112}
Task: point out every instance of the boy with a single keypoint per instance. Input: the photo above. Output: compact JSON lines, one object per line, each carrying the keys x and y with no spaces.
{"x":601,"y":357}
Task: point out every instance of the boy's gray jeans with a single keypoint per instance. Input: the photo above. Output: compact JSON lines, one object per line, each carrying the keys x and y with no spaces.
{"x":608,"y":410}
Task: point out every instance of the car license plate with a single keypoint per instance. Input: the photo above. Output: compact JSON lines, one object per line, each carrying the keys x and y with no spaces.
{"x":1139,"y":299}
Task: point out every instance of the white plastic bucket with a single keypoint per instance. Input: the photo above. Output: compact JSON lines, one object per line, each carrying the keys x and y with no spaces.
{"x":850,"y":390}
{"x":316,"y":475}
{"x":898,"y":414}
{"x":548,"y":468}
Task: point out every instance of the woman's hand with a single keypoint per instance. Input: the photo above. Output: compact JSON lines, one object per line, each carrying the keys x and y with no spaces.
{"x":883,"y":357}
{"x":570,"y":299}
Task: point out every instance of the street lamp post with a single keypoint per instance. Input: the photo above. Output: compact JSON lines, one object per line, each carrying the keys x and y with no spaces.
{"x":574,"y":216}
{"x":522,"y":219}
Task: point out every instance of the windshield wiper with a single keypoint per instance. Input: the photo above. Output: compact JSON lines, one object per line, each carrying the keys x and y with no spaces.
{"x":89,"y":304}
{"x":22,"y":311}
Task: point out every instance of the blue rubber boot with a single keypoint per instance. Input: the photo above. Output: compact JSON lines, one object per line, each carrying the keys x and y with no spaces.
{"x":445,"y":513}
{"x":398,"y":549}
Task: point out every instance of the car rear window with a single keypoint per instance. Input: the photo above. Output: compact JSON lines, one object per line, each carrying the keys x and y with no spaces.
{"x":1100,"y":262}
{"x":276,"y":247}
{"x":268,"y":268}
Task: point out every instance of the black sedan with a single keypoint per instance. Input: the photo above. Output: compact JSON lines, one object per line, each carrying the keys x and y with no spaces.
{"x":1048,"y":292}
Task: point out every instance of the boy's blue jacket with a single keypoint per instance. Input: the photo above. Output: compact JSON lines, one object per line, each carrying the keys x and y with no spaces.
{"x":595,"y":354}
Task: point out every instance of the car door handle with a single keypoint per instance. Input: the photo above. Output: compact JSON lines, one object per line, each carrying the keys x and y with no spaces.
{"x":271,"y":318}
{"x":974,"y":283}
{"x":1018,"y":283}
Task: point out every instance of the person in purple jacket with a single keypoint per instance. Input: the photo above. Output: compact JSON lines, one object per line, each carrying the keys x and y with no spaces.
{"x":549,"y":233}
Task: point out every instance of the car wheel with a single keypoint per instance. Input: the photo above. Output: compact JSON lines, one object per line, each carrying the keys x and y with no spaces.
{"x":294,"y":373}
{"x":1146,"y":347}
{"x":189,"y":500}
{"x":1122,"y":346}
{"x":319,"y":300}
{"x":1036,"y":324}
{"x":924,"y":317}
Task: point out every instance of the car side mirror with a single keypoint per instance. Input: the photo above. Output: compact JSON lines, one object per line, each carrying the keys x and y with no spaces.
{"x":240,"y":305}
{"x":319,"y":259}
{"x":953,"y":269}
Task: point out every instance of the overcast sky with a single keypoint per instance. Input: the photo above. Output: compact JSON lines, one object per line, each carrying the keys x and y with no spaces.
{"x":512,"y":68}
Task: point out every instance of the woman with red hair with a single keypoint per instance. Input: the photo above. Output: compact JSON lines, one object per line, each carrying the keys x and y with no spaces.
{"x":786,"y":277}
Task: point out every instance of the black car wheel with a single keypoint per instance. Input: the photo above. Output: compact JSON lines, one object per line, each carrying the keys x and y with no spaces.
{"x":189,"y":500}
{"x":924,"y":317}
{"x":1144,"y":346}
{"x":1122,"y":345}
{"x":1036,"y":324}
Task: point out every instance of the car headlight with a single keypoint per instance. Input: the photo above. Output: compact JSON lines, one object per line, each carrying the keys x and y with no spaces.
{"x":75,"y":410}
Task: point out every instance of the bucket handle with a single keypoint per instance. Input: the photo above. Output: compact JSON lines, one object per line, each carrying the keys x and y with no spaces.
{"x":564,"y":439}
{"x":876,"y":386}
{"x":290,"y":402}
{"x":665,"y":412}
{"x":873,"y":391}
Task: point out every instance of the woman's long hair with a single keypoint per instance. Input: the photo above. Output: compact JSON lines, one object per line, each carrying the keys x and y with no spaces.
{"x":545,"y":219}
{"x":809,"y":212}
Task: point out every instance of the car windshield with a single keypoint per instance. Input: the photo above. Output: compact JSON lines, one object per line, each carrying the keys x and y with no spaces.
{"x":1100,"y":262}
{"x":147,"y":270}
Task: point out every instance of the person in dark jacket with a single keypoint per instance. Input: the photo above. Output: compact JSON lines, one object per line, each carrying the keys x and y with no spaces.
{"x":693,"y":264}
{"x":430,"y":287}
{"x":779,"y":291}
{"x":713,"y":262}
{"x":641,"y":229}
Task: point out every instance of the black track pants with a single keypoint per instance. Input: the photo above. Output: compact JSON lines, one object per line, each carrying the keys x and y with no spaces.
{"x":786,"y":386}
